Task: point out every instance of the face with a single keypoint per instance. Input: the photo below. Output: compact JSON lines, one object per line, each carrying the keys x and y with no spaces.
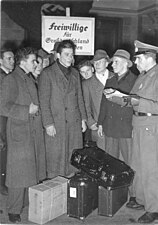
{"x":141,"y":62}
{"x":86,"y":72}
{"x":8,"y":61}
{"x":39,"y":67}
{"x":66,"y":57}
{"x":30,"y":63}
{"x":100,"y":65}
{"x":119,"y":65}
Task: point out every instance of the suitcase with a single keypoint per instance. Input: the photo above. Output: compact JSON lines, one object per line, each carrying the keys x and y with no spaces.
{"x":109,"y":171}
{"x":82,"y":197}
{"x":111,"y":200}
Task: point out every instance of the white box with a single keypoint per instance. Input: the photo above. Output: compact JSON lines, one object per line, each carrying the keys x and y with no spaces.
{"x":48,"y":200}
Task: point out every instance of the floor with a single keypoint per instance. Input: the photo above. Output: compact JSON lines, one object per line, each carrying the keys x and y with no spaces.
{"x":122,"y":217}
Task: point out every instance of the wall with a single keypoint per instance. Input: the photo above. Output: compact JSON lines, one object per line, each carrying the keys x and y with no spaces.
{"x":139,"y":19}
{"x":12,"y":35}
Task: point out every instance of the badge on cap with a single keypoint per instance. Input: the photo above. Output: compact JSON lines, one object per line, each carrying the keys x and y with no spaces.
{"x":143,"y":48}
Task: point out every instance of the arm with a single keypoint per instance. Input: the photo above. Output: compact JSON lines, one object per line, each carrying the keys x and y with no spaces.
{"x":44,"y":97}
{"x":10,"y":107}
{"x":87,"y":100}
{"x":102,"y":115}
{"x":80,"y":100}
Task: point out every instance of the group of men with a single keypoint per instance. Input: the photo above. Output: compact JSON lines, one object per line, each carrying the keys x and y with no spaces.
{"x":45,"y":123}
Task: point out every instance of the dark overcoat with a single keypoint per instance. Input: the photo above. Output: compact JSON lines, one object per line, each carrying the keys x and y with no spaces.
{"x":115,"y":119}
{"x":25,"y":139}
{"x":62,"y":104}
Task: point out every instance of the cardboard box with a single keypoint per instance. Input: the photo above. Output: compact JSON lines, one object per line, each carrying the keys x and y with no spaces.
{"x":111,"y":200}
{"x":48,"y":200}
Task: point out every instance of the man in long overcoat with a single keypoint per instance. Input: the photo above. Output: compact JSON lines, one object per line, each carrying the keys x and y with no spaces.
{"x":6,"y":66}
{"x":25,"y":139}
{"x":63,"y":110}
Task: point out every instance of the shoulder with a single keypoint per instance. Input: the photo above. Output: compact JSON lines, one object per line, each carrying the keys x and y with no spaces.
{"x":75,"y":72}
{"x":131,"y":75}
{"x":111,"y":75}
{"x":90,"y":81}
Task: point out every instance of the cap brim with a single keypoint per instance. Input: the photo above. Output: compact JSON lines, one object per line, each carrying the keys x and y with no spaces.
{"x":130,"y":63}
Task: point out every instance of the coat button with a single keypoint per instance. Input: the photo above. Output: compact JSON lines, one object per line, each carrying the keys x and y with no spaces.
{"x":65,"y":121}
{"x":65,"y":108}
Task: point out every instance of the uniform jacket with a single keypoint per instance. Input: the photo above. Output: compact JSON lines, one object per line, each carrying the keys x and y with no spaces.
{"x":117,"y":120}
{"x":146,"y":87}
{"x":62,"y":105}
{"x":26,"y":151}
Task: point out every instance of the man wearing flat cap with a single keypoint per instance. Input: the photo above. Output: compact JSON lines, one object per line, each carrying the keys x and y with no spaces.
{"x":115,"y":121}
{"x":145,"y":131}
{"x":92,"y":92}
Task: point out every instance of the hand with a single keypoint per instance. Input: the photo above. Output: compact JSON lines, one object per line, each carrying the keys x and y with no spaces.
{"x":117,"y":100}
{"x":134,"y":101}
{"x":51,"y":131}
{"x":100,"y":131}
{"x":84,"y":126}
{"x":33,"y":109}
{"x":109,"y":92}
{"x":94,"y":127}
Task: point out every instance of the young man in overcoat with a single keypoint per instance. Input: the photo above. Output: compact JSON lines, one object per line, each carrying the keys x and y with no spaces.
{"x":63,"y":110}
{"x":25,"y":139}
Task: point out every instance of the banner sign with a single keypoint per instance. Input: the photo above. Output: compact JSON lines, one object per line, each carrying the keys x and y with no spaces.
{"x":79,"y":29}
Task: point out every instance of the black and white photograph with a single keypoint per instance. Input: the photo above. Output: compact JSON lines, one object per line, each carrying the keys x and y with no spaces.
{"x":79,"y":112}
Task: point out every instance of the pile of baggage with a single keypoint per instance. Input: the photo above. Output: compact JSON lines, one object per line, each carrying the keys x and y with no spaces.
{"x":113,"y":177}
{"x":101,"y":182}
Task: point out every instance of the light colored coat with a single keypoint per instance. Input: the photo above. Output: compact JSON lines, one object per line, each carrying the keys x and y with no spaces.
{"x":92,"y":91}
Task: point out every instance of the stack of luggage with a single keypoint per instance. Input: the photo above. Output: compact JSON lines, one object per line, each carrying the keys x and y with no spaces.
{"x":101,"y":182}
{"x":112,"y":176}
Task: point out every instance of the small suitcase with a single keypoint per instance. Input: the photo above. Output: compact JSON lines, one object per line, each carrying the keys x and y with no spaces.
{"x":82,"y":197}
{"x":111,"y":200}
{"x":109,"y":171}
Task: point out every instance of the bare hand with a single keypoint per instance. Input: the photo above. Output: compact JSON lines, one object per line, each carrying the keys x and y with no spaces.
{"x":100,"y":131}
{"x":94,"y":127}
{"x":134,"y":101}
{"x":33,"y":109}
{"x":51,"y":131}
{"x":84,"y":126}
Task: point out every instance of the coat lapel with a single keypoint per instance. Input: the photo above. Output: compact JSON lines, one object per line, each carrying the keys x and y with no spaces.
{"x":61,"y":80}
{"x":29,"y":86}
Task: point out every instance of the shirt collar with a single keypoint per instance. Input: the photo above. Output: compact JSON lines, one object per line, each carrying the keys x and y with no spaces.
{"x":5,"y":70}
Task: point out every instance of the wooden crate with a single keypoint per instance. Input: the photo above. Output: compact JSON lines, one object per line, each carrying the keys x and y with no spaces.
{"x":48,"y":200}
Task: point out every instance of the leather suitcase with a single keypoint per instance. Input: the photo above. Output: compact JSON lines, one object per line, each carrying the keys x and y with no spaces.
{"x":109,"y":171}
{"x":82,"y":197}
{"x":111,"y":200}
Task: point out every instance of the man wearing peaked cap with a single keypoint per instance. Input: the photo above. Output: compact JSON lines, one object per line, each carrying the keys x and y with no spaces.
{"x":145,"y":131}
{"x":142,"y":48}
{"x":114,"y":120}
